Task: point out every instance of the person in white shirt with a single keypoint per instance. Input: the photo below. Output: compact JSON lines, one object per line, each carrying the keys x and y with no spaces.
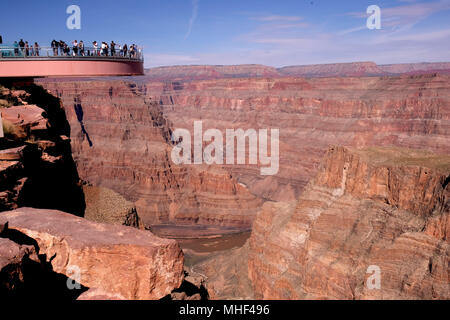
{"x":75,"y":48}
{"x":103,"y":49}
{"x":95,"y":44}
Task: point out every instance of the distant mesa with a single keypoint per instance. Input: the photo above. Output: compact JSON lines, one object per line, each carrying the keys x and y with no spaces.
{"x":351,"y":69}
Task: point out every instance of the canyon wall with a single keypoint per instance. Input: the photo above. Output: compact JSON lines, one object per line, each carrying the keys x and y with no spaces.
{"x":407,"y":111}
{"x":371,"y":207}
{"x":121,"y":141}
{"x":383,"y":210}
{"x":121,"y":135}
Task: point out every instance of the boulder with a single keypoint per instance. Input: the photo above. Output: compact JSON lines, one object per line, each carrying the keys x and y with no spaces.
{"x":116,"y":259}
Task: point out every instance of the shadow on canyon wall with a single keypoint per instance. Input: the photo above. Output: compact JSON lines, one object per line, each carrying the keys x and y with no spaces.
{"x":78,"y":108}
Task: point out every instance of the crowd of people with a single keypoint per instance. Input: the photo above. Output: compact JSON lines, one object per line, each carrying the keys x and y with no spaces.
{"x":60,"y":48}
{"x":76,"y":48}
{"x":25,"y":49}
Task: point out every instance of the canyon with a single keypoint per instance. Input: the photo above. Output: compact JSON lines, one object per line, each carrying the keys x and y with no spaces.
{"x":125,"y":122}
{"x":379,"y":196}
{"x":379,"y":207}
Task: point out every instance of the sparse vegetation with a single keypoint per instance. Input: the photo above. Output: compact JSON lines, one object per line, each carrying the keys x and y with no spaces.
{"x":11,"y":131}
{"x":4,"y":103}
{"x":8,"y":128}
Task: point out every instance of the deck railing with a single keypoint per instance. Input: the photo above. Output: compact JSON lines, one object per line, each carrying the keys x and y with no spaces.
{"x":15,"y":52}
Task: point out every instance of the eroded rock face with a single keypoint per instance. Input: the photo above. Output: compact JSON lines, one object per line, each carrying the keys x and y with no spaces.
{"x":129,"y":136}
{"x":121,"y":141}
{"x":12,"y":257}
{"x":26,"y":117}
{"x":121,"y":261}
{"x":373,"y":207}
{"x":36,"y":164}
{"x":312,"y":114}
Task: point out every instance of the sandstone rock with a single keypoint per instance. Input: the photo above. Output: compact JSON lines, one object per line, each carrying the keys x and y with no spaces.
{"x":27,"y":117}
{"x":36,"y":165}
{"x":12,"y":154}
{"x":118,"y":260}
{"x":98,"y":294}
{"x":226,"y":275}
{"x":130,"y":154}
{"x":12,"y":253}
{"x":13,"y":258}
{"x":365,"y":207}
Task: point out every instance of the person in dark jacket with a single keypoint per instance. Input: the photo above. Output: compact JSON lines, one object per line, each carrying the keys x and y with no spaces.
{"x":55,"y":46}
{"x":36,"y":49}
{"x":22,"y":46}
{"x":125,"y":50}
{"x":113,"y":48}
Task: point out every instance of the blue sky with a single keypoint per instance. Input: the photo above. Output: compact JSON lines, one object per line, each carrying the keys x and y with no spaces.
{"x":276,"y":33}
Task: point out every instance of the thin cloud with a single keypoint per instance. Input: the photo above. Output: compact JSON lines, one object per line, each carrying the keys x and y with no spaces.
{"x":195,"y":5}
{"x":278,"y":18}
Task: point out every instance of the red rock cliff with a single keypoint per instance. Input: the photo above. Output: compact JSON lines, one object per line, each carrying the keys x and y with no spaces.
{"x":373,"y":207}
{"x":121,"y":141}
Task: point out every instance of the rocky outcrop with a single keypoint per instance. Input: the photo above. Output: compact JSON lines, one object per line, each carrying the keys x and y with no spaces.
{"x":36,"y":164}
{"x":226,"y":275}
{"x":24,"y":274}
{"x":116,"y":260}
{"x":13,"y":258}
{"x":386,"y":208}
{"x":106,"y":206}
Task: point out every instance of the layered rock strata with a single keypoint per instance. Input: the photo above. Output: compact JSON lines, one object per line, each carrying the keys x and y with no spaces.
{"x":386,"y":208}
{"x":312,"y":114}
{"x":122,"y":141}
